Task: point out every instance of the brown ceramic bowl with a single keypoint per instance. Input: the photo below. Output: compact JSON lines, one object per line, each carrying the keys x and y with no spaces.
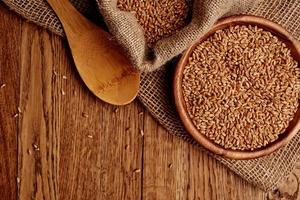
{"x":294,"y":125}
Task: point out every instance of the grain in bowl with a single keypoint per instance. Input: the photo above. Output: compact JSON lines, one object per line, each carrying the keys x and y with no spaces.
{"x":241,"y":87}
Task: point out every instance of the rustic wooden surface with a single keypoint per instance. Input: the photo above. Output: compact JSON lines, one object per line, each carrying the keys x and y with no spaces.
{"x":57,"y":141}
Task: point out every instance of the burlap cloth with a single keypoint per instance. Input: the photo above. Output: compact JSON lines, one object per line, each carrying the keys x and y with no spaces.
{"x":155,"y":92}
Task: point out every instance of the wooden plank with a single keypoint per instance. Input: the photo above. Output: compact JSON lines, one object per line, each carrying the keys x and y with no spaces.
{"x":174,"y":169}
{"x":72,"y":146}
{"x":38,"y":138}
{"x":99,"y":153}
{"x":10,"y":29}
{"x":165,"y":167}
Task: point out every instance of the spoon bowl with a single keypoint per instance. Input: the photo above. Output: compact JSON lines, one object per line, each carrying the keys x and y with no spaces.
{"x":100,"y":61}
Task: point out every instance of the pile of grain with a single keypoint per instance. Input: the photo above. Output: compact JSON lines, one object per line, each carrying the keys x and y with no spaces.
{"x":158,"y":18}
{"x":241,"y":87}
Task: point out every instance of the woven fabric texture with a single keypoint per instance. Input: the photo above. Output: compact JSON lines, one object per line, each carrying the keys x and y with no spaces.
{"x":155,"y":92}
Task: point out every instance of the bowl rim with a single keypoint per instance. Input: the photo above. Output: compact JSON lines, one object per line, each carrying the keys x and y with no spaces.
{"x":266,"y":24}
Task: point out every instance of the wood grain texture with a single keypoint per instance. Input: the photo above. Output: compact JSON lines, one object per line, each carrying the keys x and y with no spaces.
{"x":38,"y":135}
{"x":9,"y":100}
{"x":73,"y":146}
{"x":174,"y":169}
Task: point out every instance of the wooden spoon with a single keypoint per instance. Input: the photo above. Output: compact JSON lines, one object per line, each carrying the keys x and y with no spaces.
{"x":100,"y":62}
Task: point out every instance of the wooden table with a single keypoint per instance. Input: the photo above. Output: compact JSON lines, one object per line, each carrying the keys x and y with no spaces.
{"x":57,"y":141}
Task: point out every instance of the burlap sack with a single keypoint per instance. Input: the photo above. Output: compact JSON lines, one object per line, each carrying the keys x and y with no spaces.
{"x":266,"y":172}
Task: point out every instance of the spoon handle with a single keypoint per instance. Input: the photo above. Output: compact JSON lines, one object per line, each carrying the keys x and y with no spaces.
{"x":72,"y":20}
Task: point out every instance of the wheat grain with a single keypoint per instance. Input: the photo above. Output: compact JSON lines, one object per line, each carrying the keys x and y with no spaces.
{"x":158,"y":19}
{"x":241,"y":87}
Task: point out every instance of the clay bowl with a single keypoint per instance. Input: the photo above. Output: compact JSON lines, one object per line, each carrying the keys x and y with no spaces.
{"x":294,"y":125}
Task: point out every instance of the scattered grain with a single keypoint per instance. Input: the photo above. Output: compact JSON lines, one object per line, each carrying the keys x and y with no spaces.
{"x":141,"y":113}
{"x":2,"y":86}
{"x":142,"y":133}
{"x":90,"y":136}
{"x":63,"y":92}
{"x":137,"y":170}
{"x":85,"y":115}
{"x":19,"y":112}
{"x":36,"y":147}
